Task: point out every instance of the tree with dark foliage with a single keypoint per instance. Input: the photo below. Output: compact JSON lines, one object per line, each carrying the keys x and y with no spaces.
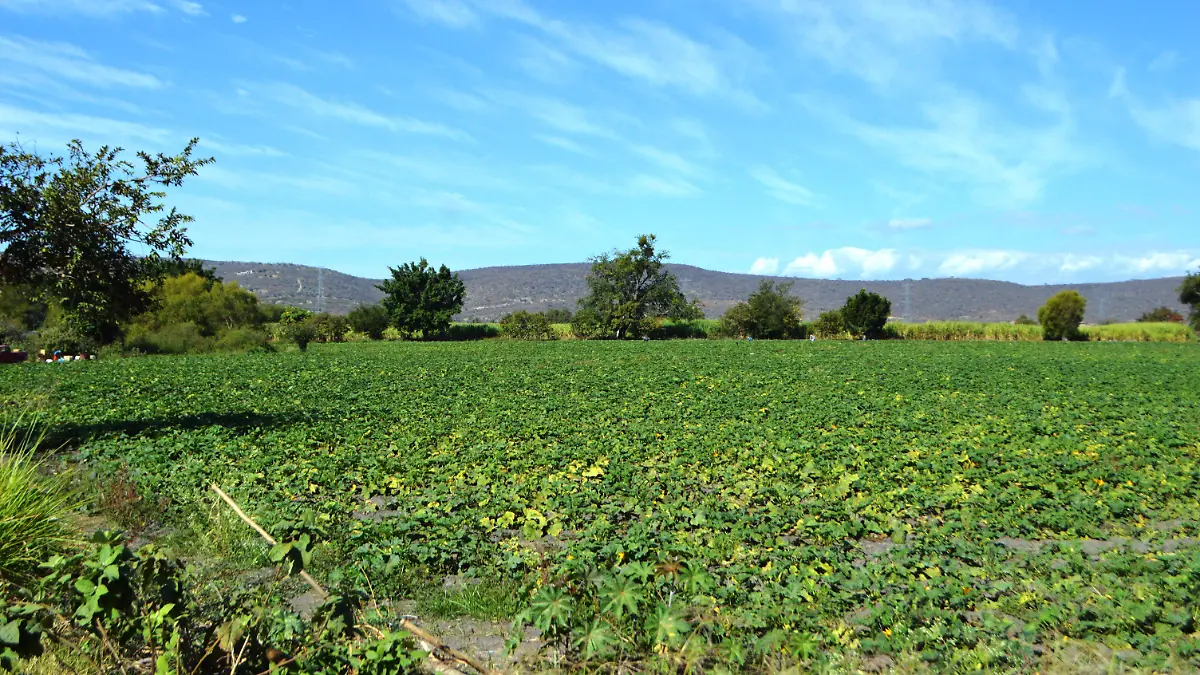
{"x":71,"y":228}
{"x":421,"y":299}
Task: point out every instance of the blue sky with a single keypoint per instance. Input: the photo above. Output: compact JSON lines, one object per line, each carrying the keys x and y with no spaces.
{"x":1026,"y":141}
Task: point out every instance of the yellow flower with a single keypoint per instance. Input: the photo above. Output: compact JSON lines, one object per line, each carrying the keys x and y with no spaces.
{"x":887,"y":632}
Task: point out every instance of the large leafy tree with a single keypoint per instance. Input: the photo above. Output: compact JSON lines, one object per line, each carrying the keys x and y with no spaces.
{"x":1189,"y":294}
{"x":369,"y":319}
{"x":73,"y":227}
{"x":865,"y":313}
{"x":770,"y":312}
{"x":627,"y":290}
{"x":1061,"y":315}
{"x":419,"y":298}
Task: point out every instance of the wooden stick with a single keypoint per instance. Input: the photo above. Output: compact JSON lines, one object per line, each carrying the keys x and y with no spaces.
{"x":428,"y":641}
{"x":271,"y":540}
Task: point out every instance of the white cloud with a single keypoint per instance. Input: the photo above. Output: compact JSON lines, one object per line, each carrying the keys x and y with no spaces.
{"x":296,"y":97}
{"x":238,"y":18}
{"x":81,"y":7}
{"x":781,"y":188}
{"x":71,"y":63}
{"x":1075,"y":263}
{"x":968,"y":263}
{"x":1161,"y":262}
{"x":765,"y":266}
{"x":909,"y":223}
{"x":452,"y":13}
{"x":857,"y":262}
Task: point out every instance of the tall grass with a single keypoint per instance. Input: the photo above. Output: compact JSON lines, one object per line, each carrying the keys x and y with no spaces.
{"x":970,"y":330}
{"x":35,"y":508}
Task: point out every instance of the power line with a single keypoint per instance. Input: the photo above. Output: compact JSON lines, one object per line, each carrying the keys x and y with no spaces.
{"x":907,"y":301}
{"x":320,"y":289}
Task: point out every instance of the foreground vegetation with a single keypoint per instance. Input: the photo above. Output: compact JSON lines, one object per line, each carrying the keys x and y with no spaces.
{"x":719,"y":504}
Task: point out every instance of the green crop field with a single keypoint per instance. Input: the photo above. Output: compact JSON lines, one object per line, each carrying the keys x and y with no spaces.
{"x":963,"y":504}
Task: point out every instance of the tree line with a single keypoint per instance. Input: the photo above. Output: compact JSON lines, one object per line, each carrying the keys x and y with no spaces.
{"x":90,"y":255}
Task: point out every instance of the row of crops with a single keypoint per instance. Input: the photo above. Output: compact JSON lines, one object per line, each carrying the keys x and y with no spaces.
{"x":966,"y":504}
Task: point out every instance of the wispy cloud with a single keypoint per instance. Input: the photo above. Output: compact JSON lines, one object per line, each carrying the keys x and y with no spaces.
{"x":1164,"y":61}
{"x":97,"y":8}
{"x":669,"y":160}
{"x":965,"y":140}
{"x":300,"y":99}
{"x":909,"y":223}
{"x":559,"y":115}
{"x":647,"y":51}
{"x":69,"y":62}
{"x":563,"y":144}
{"x":238,"y":18}
{"x":452,"y":13}
{"x":665,"y":186}
{"x":58,"y":128}
{"x":190,"y":8}
{"x":887,"y":42}
{"x":780,"y":188}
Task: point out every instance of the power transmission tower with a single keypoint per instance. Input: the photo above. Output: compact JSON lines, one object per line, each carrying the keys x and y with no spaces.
{"x":320,"y":290}
{"x":907,"y":301}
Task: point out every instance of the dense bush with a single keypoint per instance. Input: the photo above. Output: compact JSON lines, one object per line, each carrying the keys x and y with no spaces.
{"x":522,"y":325}
{"x":461,"y":332}
{"x":771,"y":312}
{"x":587,"y":324}
{"x":243,"y":340}
{"x":65,"y":339}
{"x":177,"y":338}
{"x":558,"y":315}
{"x":1061,"y":315}
{"x":329,"y":327}
{"x":683,"y":330}
{"x":829,"y":325}
{"x":369,"y":319}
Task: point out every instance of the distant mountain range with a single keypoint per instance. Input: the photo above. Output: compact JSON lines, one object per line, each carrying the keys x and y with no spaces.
{"x":493,"y":292}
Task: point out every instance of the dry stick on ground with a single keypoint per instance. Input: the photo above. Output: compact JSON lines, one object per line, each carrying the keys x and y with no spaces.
{"x":429,"y":642}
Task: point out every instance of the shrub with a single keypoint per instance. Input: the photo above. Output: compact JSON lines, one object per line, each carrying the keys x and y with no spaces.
{"x":35,"y":508}
{"x":65,"y":339}
{"x":1161,"y":315}
{"x":522,"y":325}
{"x":329,"y":327}
{"x":293,"y":315}
{"x":462,"y":332}
{"x":301,"y":332}
{"x":588,"y":325}
{"x":1024,"y":320}
{"x":1061,"y":315}
{"x":558,"y":315}
{"x":829,"y":324}
{"x":243,"y":340}
{"x":683,"y":330}
{"x":180,"y":338}
{"x":369,"y":319}
{"x":866,"y":313}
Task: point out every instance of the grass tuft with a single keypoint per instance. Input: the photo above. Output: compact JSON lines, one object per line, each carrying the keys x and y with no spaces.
{"x":35,"y":508}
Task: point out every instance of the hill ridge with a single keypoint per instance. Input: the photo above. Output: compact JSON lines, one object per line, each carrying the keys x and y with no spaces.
{"x":495,"y":291}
